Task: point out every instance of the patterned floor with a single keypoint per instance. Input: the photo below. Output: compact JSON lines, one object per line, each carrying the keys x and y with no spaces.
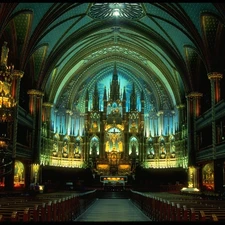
{"x":113,"y":210}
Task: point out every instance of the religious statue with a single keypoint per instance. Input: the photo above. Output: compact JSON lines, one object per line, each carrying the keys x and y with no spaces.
{"x":162,"y":151}
{"x":173,"y":150}
{"x":55,"y":149}
{"x":150,"y":152}
{"x":94,"y":149}
{"x":114,"y":138}
{"x":133,"y":150}
{"x":77,"y":151}
{"x":65,"y":149}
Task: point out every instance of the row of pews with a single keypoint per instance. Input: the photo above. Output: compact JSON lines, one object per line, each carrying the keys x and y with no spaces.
{"x":48,"y":207}
{"x":164,"y":206}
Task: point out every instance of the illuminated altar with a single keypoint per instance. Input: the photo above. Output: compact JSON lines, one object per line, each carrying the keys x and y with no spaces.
{"x":111,"y":138}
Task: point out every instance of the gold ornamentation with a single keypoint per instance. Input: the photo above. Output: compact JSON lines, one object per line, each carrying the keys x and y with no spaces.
{"x":215,"y":75}
{"x":35,"y":92}
{"x":194,"y":95}
{"x":47,"y":104}
{"x":7,"y":75}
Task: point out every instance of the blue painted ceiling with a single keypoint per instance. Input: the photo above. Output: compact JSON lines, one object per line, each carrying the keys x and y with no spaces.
{"x":65,"y":48}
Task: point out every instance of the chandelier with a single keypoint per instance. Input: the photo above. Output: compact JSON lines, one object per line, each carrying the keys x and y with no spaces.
{"x":7,"y":102}
{"x":102,"y":11}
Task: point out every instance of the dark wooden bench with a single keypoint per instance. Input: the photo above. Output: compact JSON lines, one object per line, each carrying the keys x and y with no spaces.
{"x":45,"y":208}
{"x":10,"y":214}
{"x":217,"y":217}
{"x":168,"y":207}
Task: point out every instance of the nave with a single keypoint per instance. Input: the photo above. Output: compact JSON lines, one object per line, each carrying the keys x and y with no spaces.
{"x":113,"y":210}
{"x":110,"y":206}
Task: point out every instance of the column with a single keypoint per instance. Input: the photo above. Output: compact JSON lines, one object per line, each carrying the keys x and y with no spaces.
{"x":181,"y":116}
{"x":35,"y":107}
{"x":17,"y":75}
{"x":48,"y":129}
{"x":193,"y":110}
{"x":215,"y":78}
{"x":46,"y":113}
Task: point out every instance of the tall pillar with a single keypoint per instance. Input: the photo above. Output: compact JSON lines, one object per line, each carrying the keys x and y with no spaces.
{"x":218,"y":175}
{"x":17,"y":75}
{"x":215,"y":78}
{"x":35,"y":107}
{"x":46,"y":112}
{"x":46,"y":116}
{"x":181,"y":115}
{"x":193,"y":110}
{"x":47,"y":124}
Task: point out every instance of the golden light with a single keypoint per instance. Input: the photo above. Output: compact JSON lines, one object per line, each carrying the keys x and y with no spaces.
{"x":7,"y":74}
{"x":3,"y":144}
{"x":41,"y":187}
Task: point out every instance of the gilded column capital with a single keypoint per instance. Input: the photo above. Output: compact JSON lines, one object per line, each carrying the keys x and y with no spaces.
{"x":47,"y":104}
{"x":215,"y":76}
{"x":160,"y":112}
{"x":17,"y":73}
{"x":35,"y":92}
{"x":70,"y":112}
{"x":194,"y":95}
{"x":180,"y":106}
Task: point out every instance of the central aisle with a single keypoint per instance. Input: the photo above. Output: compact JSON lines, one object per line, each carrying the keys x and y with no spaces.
{"x":112,"y":210}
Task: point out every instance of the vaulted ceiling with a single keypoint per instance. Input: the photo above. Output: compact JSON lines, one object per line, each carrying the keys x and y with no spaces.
{"x":165,"y":49}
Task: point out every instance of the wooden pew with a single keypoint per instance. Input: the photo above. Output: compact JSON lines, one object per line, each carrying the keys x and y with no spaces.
{"x":9,"y":216}
{"x":44,"y":208}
